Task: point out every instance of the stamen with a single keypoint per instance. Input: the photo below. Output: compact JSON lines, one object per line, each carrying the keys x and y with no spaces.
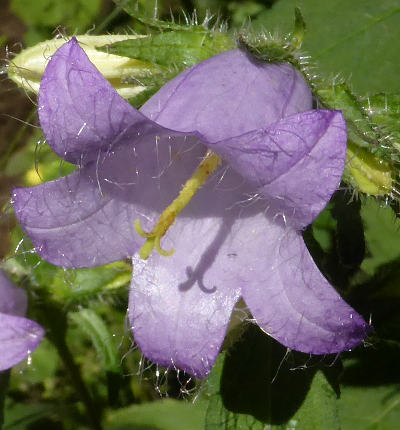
{"x":210,"y":162}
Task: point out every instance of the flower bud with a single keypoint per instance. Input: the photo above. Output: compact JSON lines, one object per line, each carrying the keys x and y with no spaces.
{"x":124,"y":73}
{"x":366,"y":173}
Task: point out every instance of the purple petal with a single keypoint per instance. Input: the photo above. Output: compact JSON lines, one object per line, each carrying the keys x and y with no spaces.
{"x":18,"y":338}
{"x":229,"y":95}
{"x":79,"y":111}
{"x":72,"y":225}
{"x":13,"y":301}
{"x":296,"y":163}
{"x":287,"y":294}
{"x":87,"y":219}
{"x":180,"y":306}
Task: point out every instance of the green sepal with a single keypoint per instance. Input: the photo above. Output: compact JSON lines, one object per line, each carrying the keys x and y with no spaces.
{"x":151,"y":85}
{"x":276,"y":49}
{"x":299,"y":28}
{"x":267,"y":48}
{"x":384,"y":110}
{"x":178,"y":49}
{"x":339,"y":96}
{"x":370,"y":156}
{"x":95,"y":328}
{"x":140,"y":99}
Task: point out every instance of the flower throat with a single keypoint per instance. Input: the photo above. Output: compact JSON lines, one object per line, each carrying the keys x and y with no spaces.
{"x":209,"y":164}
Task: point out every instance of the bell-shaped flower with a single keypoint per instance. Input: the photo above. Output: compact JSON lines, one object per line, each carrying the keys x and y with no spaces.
{"x":19,"y":336}
{"x":225,"y":166}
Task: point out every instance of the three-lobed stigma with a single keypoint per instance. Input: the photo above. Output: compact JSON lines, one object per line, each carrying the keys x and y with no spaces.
{"x":209,"y":164}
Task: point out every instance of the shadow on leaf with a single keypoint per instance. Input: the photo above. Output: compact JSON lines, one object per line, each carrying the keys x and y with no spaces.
{"x":262,"y":379}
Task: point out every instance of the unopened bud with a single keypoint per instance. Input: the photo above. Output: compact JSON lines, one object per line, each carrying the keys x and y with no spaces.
{"x":367,"y":173}
{"x":124,"y":73}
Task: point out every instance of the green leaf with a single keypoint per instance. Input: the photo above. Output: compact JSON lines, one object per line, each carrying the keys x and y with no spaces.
{"x":80,"y":285}
{"x":319,"y":410}
{"x":356,"y":39}
{"x":370,"y":408}
{"x":95,"y":328}
{"x":218,"y":417}
{"x":370,"y":396}
{"x":42,"y":366}
{"x":258,"y":384}
{"x":167,"y":414}
{"x":20,"y":416}
{"x":382,"y":234}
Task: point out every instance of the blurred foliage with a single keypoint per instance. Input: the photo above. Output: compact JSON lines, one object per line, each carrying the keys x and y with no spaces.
{"x":44,"y":16}
{"x":257,"y":384}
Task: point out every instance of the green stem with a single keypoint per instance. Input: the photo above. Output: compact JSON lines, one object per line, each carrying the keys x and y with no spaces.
{"x":77,"y":381}
{"x":4,"y":378}
{"x":107,"y":20}
{"x":56,"y":321}
{"x":12,"y":146}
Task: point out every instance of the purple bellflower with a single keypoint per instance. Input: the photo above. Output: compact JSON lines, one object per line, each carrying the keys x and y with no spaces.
{"x":232,"y":146}
{"x":18,"y":335}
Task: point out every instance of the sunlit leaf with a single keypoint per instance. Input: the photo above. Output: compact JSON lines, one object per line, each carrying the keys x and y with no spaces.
{"x":352,"y":38}
{"x":167,"y":414}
